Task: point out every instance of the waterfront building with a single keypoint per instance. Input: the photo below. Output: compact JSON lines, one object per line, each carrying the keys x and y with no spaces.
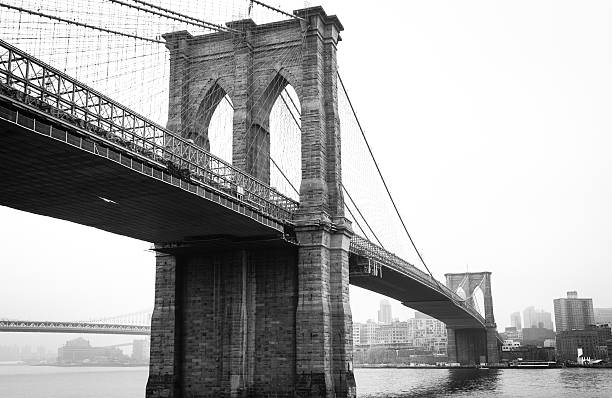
{"x":603,"y":316}
{"x":356,"y":333}
{"x":365,"y":333}
{"x":392,"y":333}
{"x":384,"y":313}
{"x":591,"y":340}
{"x":510,"y":345}
{"x":79,"y":350}
{"x":428,"y":334}
{"x":423,"y":333}
{"x":534,"y":318}
{"x":537,"y":336}
{"x":512,"y":333}
{"x":528,"y":353}
{"x":573,"y":313}
{"x":515,"y":320}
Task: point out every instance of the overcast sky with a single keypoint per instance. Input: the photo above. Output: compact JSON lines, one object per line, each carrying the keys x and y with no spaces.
{"x":491,"y":122}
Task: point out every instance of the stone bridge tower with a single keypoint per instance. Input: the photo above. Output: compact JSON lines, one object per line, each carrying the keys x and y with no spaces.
{"x":263,"y":317}
{"x":471,"y":346}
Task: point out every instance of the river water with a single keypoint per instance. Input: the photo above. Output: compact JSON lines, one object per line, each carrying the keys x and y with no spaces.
{"x":56,"y":382}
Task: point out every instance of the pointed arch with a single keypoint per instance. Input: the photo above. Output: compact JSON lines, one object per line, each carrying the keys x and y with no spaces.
{"x":461,"y":292}
{"x":212,"y":95}
{"x":267,"y":99}
{"x":286,"y":142}
{"x":478,"y":300}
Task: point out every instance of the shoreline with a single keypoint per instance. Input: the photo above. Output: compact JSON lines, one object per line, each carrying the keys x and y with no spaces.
{"x":389,"y":366}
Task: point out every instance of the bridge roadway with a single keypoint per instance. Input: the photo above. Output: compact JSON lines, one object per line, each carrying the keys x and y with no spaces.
{"x":72,"y":327}
{"x":94,"y":162}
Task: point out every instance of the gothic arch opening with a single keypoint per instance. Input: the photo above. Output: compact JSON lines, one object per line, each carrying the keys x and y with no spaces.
{"x":282,"y":106}
{"x":461,"y":293}
{"x":478,"y":299}
{"x":213,"y":124}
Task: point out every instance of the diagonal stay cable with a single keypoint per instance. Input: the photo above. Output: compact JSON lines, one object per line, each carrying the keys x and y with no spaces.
{"x":362,"y":217}
{"x":384,"y":182}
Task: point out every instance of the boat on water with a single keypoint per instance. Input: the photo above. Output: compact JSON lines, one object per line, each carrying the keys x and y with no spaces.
{"x":534,"y":364}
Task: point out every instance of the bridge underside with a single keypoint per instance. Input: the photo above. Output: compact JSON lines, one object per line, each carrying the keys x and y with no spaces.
{"x":418,"y":296}
{"x":57,"y":174}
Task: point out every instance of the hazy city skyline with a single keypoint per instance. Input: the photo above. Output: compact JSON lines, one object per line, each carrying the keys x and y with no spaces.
{"x":493,"y":136}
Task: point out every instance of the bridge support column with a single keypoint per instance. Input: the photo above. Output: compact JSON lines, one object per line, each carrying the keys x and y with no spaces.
{"x":164,"y":366}
{"x":323,"y":320}
{"x":224,"y":323}
{"x":451,"y":345}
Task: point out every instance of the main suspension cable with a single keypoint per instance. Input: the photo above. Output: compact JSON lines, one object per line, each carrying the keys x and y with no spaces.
{"x":84,"y":25}
{"x":383,"y":179}
{"x":177,"y":16}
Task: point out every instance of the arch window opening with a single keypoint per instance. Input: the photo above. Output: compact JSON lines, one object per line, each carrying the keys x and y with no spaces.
{"x":478,"y":299}
{"x":220,"y":130}
{"x":212,"y":127}
{"x":286,"y":142}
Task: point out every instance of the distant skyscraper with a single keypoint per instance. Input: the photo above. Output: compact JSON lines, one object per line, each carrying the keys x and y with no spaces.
{"x":537,"y":318}
{"x":573,"y":313}
{"x":384,"y":313}
{"x":529,"y":317}
{"x":515,"y":320}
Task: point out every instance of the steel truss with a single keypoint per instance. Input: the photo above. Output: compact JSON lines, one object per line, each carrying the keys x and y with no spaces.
{"x":379,"y":258}
{"x":72,"y":327}
{"x":29,"y":80}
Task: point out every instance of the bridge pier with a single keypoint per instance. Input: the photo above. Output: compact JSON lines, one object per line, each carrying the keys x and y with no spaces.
{"x":224,"y":322}
{"x":473,"y":346}
{"x":268,"y":320}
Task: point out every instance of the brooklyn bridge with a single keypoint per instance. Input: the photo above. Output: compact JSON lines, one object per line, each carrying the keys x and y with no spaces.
{"x":255,"y":250}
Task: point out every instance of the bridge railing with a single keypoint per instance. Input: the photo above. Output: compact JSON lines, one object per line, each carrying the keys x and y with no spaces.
{"x":39,"y":85}
{"x":365,"y":248}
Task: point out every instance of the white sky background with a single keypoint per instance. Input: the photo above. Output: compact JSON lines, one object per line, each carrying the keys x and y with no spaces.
{"x":491,"y":122}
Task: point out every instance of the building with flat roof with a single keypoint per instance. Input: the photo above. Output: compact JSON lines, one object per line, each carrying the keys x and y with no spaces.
{"x":573,"y":313}
{"x":79,"y":350}
{"x":592,"y":341}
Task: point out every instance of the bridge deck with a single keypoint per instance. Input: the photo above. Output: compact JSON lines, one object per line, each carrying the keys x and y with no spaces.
{"x":56,"y":173}
{"x":66,"y":146}
{"x":72,"y":327}
{"x":378,"y":270}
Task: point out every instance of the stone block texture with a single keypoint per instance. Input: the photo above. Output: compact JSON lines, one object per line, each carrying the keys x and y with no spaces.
{"x":256,"y":321}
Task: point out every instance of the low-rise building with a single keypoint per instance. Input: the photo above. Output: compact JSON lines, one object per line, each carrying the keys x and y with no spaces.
{"x":510,"y":345}
{"x":79,"y":350}
{"x":592,"y":341}
{"x":537,"y":336}
{"x":512,"y":333}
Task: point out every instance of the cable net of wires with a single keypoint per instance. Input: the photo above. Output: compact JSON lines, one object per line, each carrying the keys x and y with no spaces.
{"x":117,"y":48}
{"x":366,"y":200}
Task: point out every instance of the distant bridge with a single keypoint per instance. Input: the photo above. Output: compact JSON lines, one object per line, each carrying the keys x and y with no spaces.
{"x":72,"y":327}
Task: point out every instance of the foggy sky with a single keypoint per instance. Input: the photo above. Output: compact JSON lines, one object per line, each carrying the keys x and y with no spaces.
{"x":491,"y":122}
